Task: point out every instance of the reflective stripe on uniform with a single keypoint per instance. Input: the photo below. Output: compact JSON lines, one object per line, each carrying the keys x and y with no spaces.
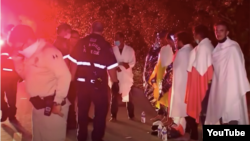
{"x":99,"y":66}
{"x":65,"y":56}
{"x":7,"y":54}
{"x":112,"y":66}
{"x":72,"y":59}
{"x":5,"y":69}
{"x":10,"y":58}
{"x":83,"y":80}
{"x":84,"y":63}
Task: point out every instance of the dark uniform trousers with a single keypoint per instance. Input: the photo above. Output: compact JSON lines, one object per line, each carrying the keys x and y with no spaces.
{"x":87,"y":93}
{"x":8,"y":89}
{"x":72,"y":99}
{"x":115,"y":105}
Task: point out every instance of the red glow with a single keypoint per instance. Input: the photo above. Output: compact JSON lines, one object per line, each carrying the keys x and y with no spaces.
{"x":36,"y":13}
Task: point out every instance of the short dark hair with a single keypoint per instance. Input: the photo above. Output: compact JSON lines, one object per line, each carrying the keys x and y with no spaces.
{"x":201,"y":30}
{"x":74,"y":32}
{"x":97,"y":26}
{"x":120,"y":34}
{"x":223,"y":23}
{"x":63,"y":27}
{"x":184,"y":37}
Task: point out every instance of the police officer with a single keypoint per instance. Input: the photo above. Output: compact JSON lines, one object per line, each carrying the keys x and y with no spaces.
{"x":93,"y":57}
{"x":47,"y":80}
{"x":9,"y":79}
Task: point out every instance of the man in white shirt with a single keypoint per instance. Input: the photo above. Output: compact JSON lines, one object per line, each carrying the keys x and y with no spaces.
{"x":178,"y":107}
{"x":227,"y":98}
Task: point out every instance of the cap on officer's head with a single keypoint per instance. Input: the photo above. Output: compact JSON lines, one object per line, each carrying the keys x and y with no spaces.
{"x":8,"y":28}
{"x":97,"y":26}
{"x":21,"y":34}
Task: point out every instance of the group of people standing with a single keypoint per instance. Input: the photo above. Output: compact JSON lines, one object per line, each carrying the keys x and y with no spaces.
{"x":207,"y":85}
{"x":64,"y":78}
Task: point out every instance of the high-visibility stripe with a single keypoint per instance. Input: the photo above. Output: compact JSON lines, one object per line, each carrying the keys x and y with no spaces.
{"x":10,"y":58}
{"x":83,"y":63}
{"x":65,"y":56}
{"x":81,"y":79}
{"x":72,"y":59}
{"x":7,"y":54}
{"x":112,"y":66}
{"x":99,"y":66}
{"x":5,"y":69}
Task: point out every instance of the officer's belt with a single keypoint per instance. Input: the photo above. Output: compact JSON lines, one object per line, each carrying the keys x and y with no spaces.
{"x":40,"y":102}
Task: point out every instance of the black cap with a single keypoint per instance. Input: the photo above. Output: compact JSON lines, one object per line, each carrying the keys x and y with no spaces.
{"x":21,"y":33}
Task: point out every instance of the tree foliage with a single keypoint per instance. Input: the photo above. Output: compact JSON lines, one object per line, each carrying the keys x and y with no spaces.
{"x":140,"y":19}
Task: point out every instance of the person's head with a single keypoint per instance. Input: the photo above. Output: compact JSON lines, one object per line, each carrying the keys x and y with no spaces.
{"x":200,"y":32}
{"x":97,"y":27}
{"x":8,"y":28}
{"x":182,"y":38}
{"x":163,"y":39}
{"x":21,"y":37}
{"x":75,"y":36}
{"x":221,"y":30}
{"x":119,"y":39}
{"x":64,"y":30}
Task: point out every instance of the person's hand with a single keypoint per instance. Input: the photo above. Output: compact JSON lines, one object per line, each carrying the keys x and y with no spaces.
{"x":57,"y":109}
{"x":118,"y":69}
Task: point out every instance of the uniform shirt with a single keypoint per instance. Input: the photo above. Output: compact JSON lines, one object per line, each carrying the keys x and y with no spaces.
{"x":95,"y":50}
{"x":45,"y":72}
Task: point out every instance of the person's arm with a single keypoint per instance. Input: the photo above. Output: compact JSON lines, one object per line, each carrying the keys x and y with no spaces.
{"x":19,"y":65}
{"x":56,"y":64}
{"x":132,"y":60}
{"x":74,"y":55}
{"x":166,"y":56}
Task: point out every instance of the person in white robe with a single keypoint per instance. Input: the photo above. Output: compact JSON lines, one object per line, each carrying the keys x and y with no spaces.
{"x":227,"y":100}
{"x":125,"y":56}
{"x":178,"y":108}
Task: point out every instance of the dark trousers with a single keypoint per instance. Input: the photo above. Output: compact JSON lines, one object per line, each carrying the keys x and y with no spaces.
{"x":72,"y":97}
{"x":115,"y":105}
{"x":87,"y":93}
{"x":192,"y":127}
{"x":8,"y":89}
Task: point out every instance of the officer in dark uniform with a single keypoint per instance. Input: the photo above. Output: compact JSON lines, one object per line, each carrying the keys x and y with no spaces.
{"x":93,"y":58}
{"x":9,"y":79}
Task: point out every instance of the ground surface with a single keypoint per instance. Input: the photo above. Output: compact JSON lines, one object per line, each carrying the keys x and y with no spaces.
{"x":123,"y":130}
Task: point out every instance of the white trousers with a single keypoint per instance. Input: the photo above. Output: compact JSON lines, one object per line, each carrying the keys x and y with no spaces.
{"x":49,"y":128}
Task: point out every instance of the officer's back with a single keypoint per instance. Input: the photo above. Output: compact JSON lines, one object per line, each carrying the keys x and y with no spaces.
{"x":92,"y":57}
{"x":93,"y":62}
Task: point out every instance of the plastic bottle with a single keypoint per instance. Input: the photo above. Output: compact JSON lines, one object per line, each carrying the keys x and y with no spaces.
{"x":143,"y":117}
{"x":159,"y":130}
{"x":164,"y":134}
